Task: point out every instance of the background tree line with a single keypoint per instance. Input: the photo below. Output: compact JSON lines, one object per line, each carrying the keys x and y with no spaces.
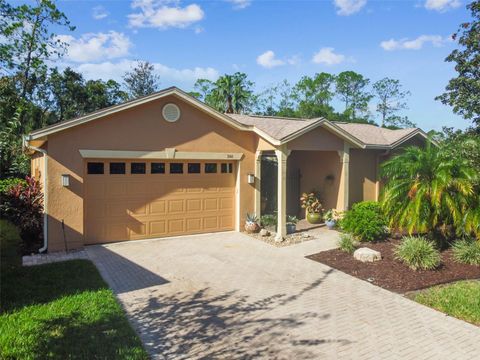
{"x":34,"y":93}
{"x":310,"y":97}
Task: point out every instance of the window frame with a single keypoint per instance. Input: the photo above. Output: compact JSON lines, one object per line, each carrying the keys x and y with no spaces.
{"x":176,"y":163}
{"x":95,"y":163}
{"x":117,"y":163}
{"x":138,"y":163}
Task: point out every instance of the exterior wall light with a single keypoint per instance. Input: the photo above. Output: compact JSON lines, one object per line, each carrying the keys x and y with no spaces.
{"x":251,"y":178}
{"x":65,"y":180}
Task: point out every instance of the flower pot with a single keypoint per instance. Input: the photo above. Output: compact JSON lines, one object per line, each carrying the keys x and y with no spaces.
{"x":291,"y":228}
{"x":330,"y":224}
{"x":252,"y":227}
{"x":314,"y":218}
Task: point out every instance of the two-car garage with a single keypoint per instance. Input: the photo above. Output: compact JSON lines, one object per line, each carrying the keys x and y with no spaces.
{"x":138,"y":199}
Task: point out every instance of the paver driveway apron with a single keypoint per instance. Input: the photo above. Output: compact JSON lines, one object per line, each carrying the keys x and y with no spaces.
{"x":226,"y":295}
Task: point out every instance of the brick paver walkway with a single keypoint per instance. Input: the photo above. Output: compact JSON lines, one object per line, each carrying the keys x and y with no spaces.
{"x":230,"y":296}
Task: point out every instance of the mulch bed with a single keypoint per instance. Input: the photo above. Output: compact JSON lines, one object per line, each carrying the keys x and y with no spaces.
{"x":393,"y":275}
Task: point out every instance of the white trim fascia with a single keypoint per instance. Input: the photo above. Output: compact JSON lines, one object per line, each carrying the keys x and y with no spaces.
{"x":164,"y":154}
{"x":120,"y":107}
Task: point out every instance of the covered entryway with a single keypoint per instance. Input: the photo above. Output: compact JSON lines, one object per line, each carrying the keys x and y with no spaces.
{"x":135,"y":199}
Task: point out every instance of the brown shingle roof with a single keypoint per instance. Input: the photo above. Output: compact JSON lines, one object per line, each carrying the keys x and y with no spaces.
{"x":279,"y":128}
{"x":276,"y":127}
{"x":374,"y":135}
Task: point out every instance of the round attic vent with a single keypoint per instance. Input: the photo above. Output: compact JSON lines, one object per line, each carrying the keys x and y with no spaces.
{"x":171,"y":112}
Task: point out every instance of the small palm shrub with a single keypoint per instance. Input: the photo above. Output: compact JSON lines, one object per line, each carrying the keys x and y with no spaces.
{"x":346,"y":243}
{"x":418,"y":253}
{"x":365,"y":221}
{"x":467,"y":251}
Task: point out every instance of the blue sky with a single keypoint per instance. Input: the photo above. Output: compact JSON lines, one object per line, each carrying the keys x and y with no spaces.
{"x":272,"y":41}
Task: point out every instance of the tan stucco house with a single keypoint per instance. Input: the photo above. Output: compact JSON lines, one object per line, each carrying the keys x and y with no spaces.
{"x":167,"y":164}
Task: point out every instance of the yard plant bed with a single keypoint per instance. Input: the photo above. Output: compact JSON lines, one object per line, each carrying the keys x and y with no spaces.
{"x":59,"y":311}
{"x":391,"y":274}
{"x":290,"y":239}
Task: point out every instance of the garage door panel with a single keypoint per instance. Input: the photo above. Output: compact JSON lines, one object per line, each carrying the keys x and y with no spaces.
{"x":138,"y":206}
{"x":176,"y":206}
{"x":194,"y":224}
{"x":210,"y":204}
{"x":226,"y":221}
{"x":210,"y":223}
{"x":158,"y":228}
{"x":194,"y":205}
{"x":157,"y":207}
{"x":226,"y":203}
{"x":176,"y":226}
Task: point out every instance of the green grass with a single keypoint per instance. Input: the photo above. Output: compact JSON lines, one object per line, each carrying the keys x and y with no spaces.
{"x":62,"y":311}
{"x":461,"y":300}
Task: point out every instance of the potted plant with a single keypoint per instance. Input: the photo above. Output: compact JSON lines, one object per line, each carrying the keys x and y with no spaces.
{"x":251,"y":224}
{"x":331,"y":218}
{"x":313,"y":207}
{"x":291,"y":224}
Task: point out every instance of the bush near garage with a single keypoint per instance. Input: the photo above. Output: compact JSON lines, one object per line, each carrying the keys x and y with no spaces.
{"x":22,"y":204}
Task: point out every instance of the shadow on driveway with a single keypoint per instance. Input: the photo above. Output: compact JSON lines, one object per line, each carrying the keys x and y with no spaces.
{"x":202,"y":324}
{"x":122,"y":274}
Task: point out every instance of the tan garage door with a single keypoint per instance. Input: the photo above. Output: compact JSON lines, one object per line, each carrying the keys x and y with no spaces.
{"x":128,"y":200}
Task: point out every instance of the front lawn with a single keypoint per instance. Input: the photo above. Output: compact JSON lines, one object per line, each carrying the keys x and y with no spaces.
{"x":461,"y":300}
{"x":61,"y":311}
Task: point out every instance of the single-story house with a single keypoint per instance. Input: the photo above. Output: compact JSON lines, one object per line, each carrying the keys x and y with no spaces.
{"x":167,"y":164}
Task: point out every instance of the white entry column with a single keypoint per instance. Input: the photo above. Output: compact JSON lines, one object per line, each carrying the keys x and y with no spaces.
{"x":282,"y":155}
{"x":258,"y":184}
{"x":343,"y":201}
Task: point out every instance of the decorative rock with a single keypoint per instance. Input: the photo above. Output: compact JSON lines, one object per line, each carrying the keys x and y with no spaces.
{"x":305,"y":235}
{"x":264,"y":232}
{"x":367,"y":255}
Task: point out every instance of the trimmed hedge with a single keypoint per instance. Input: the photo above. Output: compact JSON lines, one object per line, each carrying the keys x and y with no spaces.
{"x":365,"y":221}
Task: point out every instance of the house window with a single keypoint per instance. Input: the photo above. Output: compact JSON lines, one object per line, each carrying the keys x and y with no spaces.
{"x":194,"y":168}
{"x":176,"y":168}
{"x":138,"y":168}
{"x":227,"y":168}
{"x":157,"y":168}
{"x":95,"y":168}
{"x":210,"y":168}
{"x":117,"y":168}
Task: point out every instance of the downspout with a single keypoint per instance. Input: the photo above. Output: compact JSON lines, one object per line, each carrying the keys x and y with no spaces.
{"x":45,"y":196}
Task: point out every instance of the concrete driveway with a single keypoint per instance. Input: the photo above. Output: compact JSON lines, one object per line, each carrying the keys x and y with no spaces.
{"x":229,"y":296}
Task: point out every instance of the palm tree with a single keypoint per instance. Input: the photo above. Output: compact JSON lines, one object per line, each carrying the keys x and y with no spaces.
{"x":232,"y":93}
{"x":426,"y":191}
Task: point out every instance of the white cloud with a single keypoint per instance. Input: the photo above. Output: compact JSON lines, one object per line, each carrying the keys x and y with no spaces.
{"x":163,"y":14}
{"x":96,"y":46}
{"x":168,"y":75}
{"x":414,"y":44}
{"x":327,"y":56}
{"x":99,"y":12}
{"x":349,"y":7}
{"x":442,"y":5}
{"x":240,"y":4}
{"x":268,"y":60}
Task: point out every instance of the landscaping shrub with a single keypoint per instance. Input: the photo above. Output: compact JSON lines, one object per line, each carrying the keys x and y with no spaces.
{"x":7,"y":184}
{"x":9,"y":246}
{"x":346,"y":243}
{"x":22,"y":204}
{"x":365,"y":221}
{"x":268,"y":220}
{"x":418,"y":253}
{"x":467,"y":251}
